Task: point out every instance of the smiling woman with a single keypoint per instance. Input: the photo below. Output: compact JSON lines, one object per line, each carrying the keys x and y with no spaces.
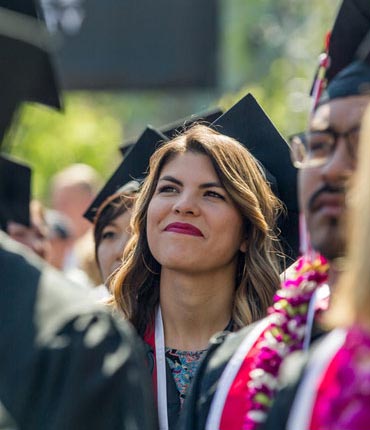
{"x":203,"y":257}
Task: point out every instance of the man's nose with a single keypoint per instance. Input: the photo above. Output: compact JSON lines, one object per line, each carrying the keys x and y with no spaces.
{"x":340,"y":166}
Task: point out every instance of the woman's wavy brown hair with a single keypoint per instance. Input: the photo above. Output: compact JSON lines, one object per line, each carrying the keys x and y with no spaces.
{"x":136,"y":284}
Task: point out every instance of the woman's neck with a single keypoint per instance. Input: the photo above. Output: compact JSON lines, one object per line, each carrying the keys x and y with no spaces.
{"x":194,"y":308}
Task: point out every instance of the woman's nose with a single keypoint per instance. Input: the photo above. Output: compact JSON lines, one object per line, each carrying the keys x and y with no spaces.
{"x":187,"y":204}
{"x":120,"y":245}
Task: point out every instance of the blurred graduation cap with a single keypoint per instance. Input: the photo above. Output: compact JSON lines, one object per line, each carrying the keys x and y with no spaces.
{"x":26,"y":72}
{"x":15,"y":191}
{"x":174,"y":128}
{"x":248,"y":123}
{"x":346,"y":43}
{"x":350,"y":28}
{"x":134,"y":166}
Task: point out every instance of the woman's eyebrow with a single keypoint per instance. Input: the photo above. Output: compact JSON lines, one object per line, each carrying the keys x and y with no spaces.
{"x":170,"y":179}
{"x":178,"y":182}
{"x":211,"y":185}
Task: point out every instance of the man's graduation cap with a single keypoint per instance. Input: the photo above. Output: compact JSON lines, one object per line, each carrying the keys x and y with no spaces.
{"x":26,"y":72}
{"x":15,"y":191}
{"x":134,"y":166}
{"x":174,"y":128}
{"x":347,"y":43}
{"x":350,"y":28}
{"x":248,"y":123}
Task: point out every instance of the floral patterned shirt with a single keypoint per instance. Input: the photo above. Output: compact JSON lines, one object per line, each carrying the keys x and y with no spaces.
{"x":183,"y":365}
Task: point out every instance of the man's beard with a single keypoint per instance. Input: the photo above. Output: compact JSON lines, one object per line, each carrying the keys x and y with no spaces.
{"x":332,"y":243}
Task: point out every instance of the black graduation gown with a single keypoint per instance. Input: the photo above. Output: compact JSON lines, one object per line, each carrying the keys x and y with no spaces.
{"x":203,"y":388}
{"x":222,"y":347}
{"x":173,"y":398}
{"x":65,"y":362}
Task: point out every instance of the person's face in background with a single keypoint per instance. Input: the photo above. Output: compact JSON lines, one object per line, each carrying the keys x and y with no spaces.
{"x":60,"y":236}
{"x":322,"y":189}
{"x":73,"y":200}
{"x":114,"y":237}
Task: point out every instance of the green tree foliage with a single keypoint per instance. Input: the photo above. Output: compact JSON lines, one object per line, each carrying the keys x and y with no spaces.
{"x":50,"y":140}
{"x":272,"y":51}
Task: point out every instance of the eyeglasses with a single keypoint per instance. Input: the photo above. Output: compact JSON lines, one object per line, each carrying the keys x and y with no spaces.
{"x":315,"y":148}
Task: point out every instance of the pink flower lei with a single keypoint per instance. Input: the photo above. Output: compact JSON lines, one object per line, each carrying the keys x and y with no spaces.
{"x":285,"y":334}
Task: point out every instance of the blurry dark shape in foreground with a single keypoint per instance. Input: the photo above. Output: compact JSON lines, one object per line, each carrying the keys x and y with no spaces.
{"x":68,"y":351}
{"x":15,"y":192}
{"x":26,"y":71}
{"x":62,"y":356}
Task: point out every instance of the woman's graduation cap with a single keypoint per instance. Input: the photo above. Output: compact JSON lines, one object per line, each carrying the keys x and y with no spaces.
{"x":174,"y":128}
{"x":134,"y":166}
{"x":248,"y":123}
{"x":15,"y":192}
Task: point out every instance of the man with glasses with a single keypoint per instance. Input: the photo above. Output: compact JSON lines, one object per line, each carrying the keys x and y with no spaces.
{"x":326,"y":157}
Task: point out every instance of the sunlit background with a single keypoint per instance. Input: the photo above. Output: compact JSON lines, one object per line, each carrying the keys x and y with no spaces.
{"x":266,"y":47}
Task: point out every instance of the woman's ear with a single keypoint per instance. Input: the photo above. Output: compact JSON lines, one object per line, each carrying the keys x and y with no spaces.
{"x":243,"y":246}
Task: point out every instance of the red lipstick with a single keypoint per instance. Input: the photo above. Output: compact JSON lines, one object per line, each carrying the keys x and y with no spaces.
{"x":183,"y":228}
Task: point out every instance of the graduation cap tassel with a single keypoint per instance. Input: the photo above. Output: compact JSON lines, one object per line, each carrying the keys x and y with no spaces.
{"x":303,"y":235}
{"x":319,"y":84}
{"x":319,"y":81}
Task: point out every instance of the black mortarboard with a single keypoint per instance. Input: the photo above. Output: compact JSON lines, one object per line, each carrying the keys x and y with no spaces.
{"x":134,"y":166}
{"x":346,"y":45}
{"x":26,"y":72}
{"x":350,"y":27}
{"x":248,"y":123}
{"x":15,"y":192}
{"x":351,"y":81}
{"x":174,"y":128}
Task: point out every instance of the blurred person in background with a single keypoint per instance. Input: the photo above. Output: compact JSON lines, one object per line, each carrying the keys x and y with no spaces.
{"x":110,"y":211}
{"x":60,"y":237}
{"x":112,"y":229}
{"x":72,"y":190}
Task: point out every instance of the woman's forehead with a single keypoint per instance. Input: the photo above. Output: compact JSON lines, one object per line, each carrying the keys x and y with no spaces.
{"x":189,"y":165}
